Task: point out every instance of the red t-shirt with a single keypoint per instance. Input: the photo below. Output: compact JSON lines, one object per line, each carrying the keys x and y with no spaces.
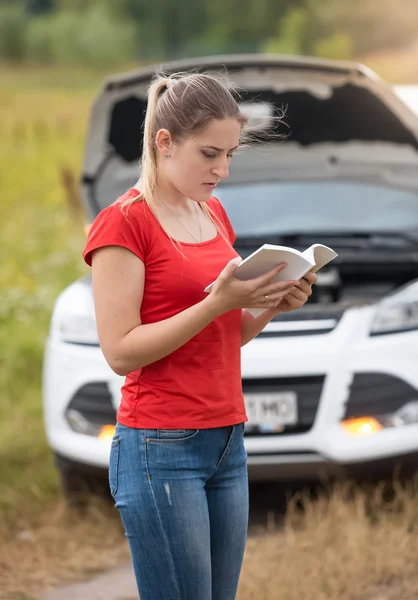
{"x":199,"y":385}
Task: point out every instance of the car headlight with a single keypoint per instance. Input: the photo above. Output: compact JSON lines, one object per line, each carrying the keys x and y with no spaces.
{"x":74,"y":318}
{"x":368,"y":425}
{"x":79,"y":329}
{"x":397,"y":313}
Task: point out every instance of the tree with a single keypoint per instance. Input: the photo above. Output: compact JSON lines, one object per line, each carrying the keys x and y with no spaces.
{"x":39,"y":7}
{"x":13,"y":28}
{"x":163,"y":29}
{"x":93,"y":37}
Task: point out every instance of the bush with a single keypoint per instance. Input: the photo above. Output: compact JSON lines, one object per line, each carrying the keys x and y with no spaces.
{"x":290,"y":33}
{"x":39,"y":45}
{"x":102,"y":41}
{"x":13,"y":28}
{"x":91,"y":38}
{"x":338,"y":46}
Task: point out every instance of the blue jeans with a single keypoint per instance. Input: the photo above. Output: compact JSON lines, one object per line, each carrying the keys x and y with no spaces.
{"x":183,"y":499}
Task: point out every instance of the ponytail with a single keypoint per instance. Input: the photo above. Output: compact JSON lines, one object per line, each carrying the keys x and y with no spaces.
{"x":148,"y":163}
{"x":148,"y":179}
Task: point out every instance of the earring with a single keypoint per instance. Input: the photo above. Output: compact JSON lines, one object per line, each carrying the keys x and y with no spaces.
{"x":166,"y":155}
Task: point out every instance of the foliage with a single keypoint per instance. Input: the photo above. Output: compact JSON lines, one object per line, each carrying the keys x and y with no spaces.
{"x":13,"y":25}
{"x":88,"y":37}
{"x":109,"y":32}
{"x":42,"y":133}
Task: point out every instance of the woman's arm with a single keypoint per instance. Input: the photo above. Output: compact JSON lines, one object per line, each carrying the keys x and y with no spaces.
{"x":118,"y":277}
{"x":118,"y":283}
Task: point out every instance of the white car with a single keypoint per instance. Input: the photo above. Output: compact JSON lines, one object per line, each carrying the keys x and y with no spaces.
{"x":331,"y":388}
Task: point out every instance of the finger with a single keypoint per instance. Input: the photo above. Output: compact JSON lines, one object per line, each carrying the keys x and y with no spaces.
{"x":298,"y":295}
{"x":311,"y":278}
{"x":278,"y":286}
{"x":266,"y":278}
{"x":305,"y":287}
{"x":273,"y":299}
{"x":292,"y":303}
{"x":269,"y":304}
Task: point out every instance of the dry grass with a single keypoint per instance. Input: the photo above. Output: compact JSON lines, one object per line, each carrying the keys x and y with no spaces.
{"x":62,"y":546}
{"x":350,"y":545}
{"x":353,"y":545}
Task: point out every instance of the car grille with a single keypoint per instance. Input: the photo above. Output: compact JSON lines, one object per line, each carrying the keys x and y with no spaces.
{"x":308,"y":391}
{"x":94,"y":402}
{"x":374,"y":394}
{"x":312,"y":319}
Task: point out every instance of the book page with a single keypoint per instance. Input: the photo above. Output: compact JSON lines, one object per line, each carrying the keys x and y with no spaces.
{"x":266,"y":258}
{"x":320,"y":255}
{"x":269,"y":256}
{"x":297,"y":266}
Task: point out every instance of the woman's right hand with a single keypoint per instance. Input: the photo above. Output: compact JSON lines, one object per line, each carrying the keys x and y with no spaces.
{"x":261,"y":292}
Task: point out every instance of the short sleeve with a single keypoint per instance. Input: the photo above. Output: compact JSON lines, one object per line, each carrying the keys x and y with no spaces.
{"x":115,"y":227}
{"x":226,"y":222}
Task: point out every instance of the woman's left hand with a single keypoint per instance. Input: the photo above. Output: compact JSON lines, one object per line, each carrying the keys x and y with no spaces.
{"x":298,"y":297}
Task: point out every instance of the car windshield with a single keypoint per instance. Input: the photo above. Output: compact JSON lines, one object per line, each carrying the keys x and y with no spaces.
{"x":280,"y":208}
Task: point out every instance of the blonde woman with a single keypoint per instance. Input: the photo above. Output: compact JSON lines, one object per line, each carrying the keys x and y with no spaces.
{"x":178,"y":469}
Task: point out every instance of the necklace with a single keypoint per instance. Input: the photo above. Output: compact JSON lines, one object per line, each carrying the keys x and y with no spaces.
{"x":181,"y":223}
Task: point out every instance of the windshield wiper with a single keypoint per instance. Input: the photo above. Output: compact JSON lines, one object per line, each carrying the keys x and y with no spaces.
{"x":375,"y":239}
{"x":346,"y":239}
{"x":410,"y":236}
{"x":297,"y":240}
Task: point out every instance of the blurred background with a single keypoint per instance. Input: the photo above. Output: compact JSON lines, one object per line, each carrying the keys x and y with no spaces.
{"x":54,"y":55}
{"x":108,"y":33}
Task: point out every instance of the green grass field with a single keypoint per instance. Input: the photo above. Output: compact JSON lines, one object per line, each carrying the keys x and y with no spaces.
{"x":44,"y":117}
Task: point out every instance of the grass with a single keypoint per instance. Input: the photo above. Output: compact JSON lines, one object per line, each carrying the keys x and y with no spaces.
{"x":60,"y":546}
{"x":331,"y":551}
{"x":41,"y":138}
{"x":350,"y":544}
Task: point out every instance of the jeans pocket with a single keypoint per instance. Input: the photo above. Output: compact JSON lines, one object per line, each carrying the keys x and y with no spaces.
{"x":171,"y":435}
{"x":114,"y":466}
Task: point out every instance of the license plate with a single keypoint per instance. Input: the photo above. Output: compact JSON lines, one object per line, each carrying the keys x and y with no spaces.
{"x":271,"y":411}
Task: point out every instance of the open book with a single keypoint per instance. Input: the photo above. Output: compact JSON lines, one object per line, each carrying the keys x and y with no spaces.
{"x":269,"y":256}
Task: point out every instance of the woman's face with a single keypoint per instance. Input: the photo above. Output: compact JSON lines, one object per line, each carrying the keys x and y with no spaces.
{"x":196,"y":164}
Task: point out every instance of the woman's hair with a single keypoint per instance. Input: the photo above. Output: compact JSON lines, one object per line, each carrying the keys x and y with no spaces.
{"x":182,"y":103}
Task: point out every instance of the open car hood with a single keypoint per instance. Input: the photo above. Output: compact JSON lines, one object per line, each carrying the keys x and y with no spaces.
{"x":333,"y":109}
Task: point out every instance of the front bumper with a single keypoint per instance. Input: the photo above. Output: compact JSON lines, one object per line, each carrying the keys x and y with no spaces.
{"x":298,"y":468}
{"x":323,"y":449}
{"x":315,"y":468}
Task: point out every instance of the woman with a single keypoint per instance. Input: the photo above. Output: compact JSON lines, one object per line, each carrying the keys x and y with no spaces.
{"x":178,"y":465}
